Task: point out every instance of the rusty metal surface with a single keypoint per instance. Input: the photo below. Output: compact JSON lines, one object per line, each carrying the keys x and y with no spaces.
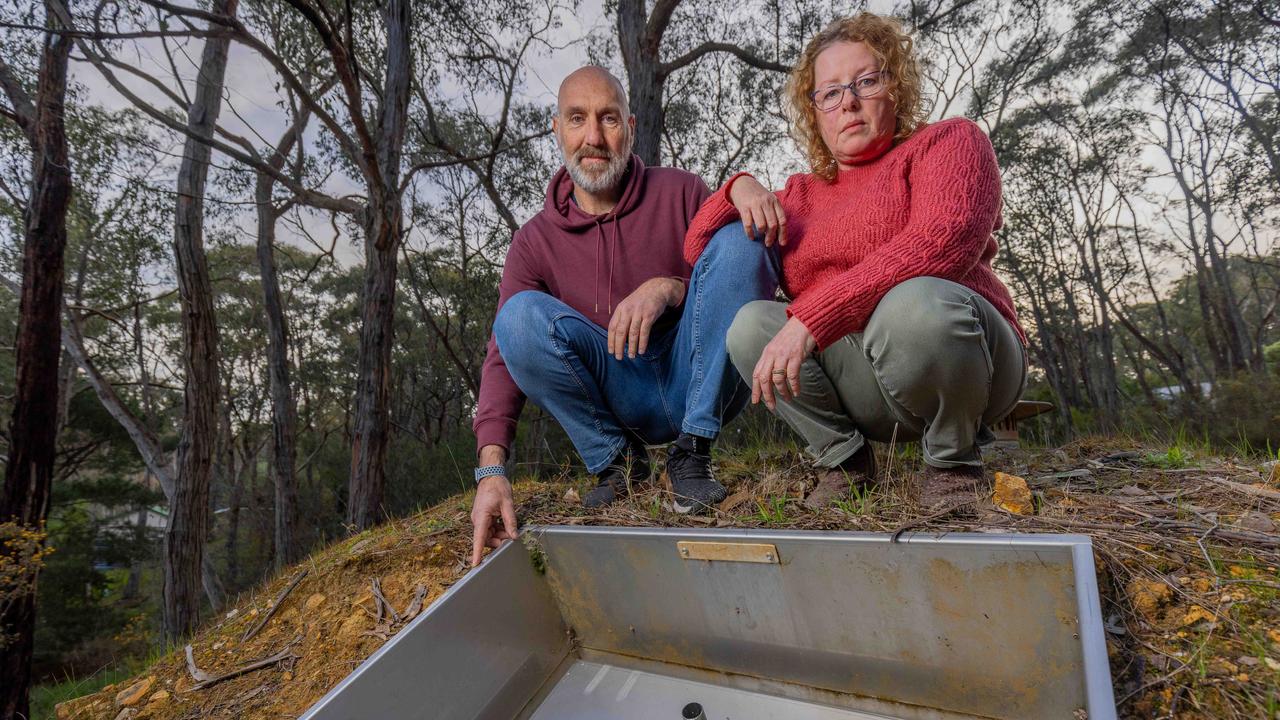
{"x":480,"y":652}
{"x":994,"y":626}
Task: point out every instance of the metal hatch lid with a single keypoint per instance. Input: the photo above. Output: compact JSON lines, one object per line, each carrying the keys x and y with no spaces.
{"x":925,"y":622}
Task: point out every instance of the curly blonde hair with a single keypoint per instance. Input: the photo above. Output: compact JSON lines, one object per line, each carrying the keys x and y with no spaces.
{"x":895,"y":51}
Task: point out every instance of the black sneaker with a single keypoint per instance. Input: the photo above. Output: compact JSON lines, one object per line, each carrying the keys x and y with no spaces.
{"x":689,"y":467}
{"x":630,"y":467}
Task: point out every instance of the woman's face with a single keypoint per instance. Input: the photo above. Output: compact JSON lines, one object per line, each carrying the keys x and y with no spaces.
{"x":858,"y":129}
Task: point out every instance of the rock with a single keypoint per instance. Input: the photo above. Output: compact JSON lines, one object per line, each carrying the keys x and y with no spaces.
{"x":1197,"y":614}
{"x":127,"y":714}
{"x":288,"y":676}
{"x":1247,"y":660}
{"x":313,"y":602}
{"x":1148,"y":596}
{"x":1274,"y":634}
{"x":1013,"y":495}
{"x":1271,"y":663}
{"x":1256,"y":521}
{"x":571,"y":497}
{"x":133,"y":694}
{"x":74,"y":709}
{"x":356,"y":623}
{"x":1221,"y":668}
{"x":158,"y":697}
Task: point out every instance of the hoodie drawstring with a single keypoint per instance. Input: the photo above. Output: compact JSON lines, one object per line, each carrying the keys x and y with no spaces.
{"x":613,"y":255}
{"x":599,"y":243}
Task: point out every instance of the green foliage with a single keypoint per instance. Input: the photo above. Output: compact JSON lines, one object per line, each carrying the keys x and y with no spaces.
{"x":78,"y":615}
{"x":45,"y":697}
{"x":772,"y":510}
{"x":860,"y":500}
{"x":1271,"y":354}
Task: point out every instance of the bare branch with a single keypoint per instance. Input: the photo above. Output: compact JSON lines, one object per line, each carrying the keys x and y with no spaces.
{"x":709,"y":47}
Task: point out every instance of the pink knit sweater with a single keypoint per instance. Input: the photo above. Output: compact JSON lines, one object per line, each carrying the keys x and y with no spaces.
{"x":927,"y":207}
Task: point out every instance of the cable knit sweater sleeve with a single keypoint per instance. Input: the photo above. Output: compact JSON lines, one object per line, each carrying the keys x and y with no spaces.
{"x":714,"y":214}
{"x":955,"y":206}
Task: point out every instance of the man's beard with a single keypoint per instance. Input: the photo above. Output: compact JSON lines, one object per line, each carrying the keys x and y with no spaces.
{"x":604,"y":179}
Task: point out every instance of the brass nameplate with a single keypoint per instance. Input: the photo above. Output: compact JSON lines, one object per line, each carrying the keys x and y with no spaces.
{"x":728,"y":552}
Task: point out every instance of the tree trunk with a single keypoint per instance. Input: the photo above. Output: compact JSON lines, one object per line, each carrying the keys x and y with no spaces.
{"x":236,"y":499}
{"x":369,"y":442}
{"x":189,"y":506}
{"x":28,"y":474}
{"x":383,"y":224}
{"x":284,"y":420}
{"x":644,"y":80}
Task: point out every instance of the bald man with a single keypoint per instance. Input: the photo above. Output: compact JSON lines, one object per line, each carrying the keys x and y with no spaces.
{"x":602,"y":323}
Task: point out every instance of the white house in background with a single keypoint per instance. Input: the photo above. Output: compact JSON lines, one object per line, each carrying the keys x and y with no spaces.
{"x":1170,"y":392}
{"x":156,"y":517}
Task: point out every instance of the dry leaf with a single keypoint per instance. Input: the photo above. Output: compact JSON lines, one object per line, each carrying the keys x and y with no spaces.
{"x":1013,"y":495}
{"x":734,"y":501}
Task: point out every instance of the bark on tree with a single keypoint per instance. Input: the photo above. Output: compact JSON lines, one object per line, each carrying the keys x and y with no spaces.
{"x":640,"y":39}
{"x":33,"y":431}
{"x":284,"y":413}
{"x":189,"y":505}
{"x":383,"y":225}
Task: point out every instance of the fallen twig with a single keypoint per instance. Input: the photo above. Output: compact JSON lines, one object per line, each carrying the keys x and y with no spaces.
{"x":415,"y":605}
{"x":385,"y":610}
{"x":1254,"y":490}
{"x":275,"y":606}
{"x":283,"y":654}
{"x":196,"y":673}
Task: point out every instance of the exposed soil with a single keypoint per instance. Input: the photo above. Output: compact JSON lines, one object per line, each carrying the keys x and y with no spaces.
{"x":1187,"y":550}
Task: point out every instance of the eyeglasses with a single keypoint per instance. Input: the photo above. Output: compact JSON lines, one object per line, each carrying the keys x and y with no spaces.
{"x":829,"y":97}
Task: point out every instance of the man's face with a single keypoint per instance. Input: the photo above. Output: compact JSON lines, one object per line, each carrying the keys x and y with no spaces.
{"x":594,"y":131}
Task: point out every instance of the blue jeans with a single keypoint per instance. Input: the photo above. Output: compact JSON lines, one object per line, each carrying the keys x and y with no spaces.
{"x":683,"y":383}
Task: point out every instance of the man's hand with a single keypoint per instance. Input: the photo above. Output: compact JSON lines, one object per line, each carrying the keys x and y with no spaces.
{"x":757,"y":206}
{"x":779,"y":366}
{"x":493,"y":504}
{"x":634,"y":317}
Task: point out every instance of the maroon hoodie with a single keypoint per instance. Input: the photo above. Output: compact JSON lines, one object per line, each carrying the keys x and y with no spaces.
{"x":591,"y":262}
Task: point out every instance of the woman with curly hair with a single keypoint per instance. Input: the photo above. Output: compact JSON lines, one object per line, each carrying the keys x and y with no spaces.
{"x":897,"y":325}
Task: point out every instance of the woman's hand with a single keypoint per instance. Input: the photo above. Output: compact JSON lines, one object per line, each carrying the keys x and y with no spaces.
{"x":757,"y":206}
{"x":779,"y":367}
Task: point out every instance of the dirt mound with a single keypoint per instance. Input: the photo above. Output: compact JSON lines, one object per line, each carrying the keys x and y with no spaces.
{"x":1187,"y":553}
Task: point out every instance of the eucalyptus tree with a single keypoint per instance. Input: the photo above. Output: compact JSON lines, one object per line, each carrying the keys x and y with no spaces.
{"x":36,"y":98}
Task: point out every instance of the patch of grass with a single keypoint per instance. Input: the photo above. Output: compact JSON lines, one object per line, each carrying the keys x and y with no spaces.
{"x":655,"y":507}
{"x":46,"y":696}
{"x":859,"y":501}
{"x":772,"y":510}
{"x":1176,"y":457}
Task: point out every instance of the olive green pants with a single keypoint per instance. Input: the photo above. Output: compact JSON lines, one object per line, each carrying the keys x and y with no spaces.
{"x":936,"y":363}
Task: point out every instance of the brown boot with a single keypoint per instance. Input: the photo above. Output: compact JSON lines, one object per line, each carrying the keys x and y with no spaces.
{"x":951,"y":487}
{"x":857,"y":469}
